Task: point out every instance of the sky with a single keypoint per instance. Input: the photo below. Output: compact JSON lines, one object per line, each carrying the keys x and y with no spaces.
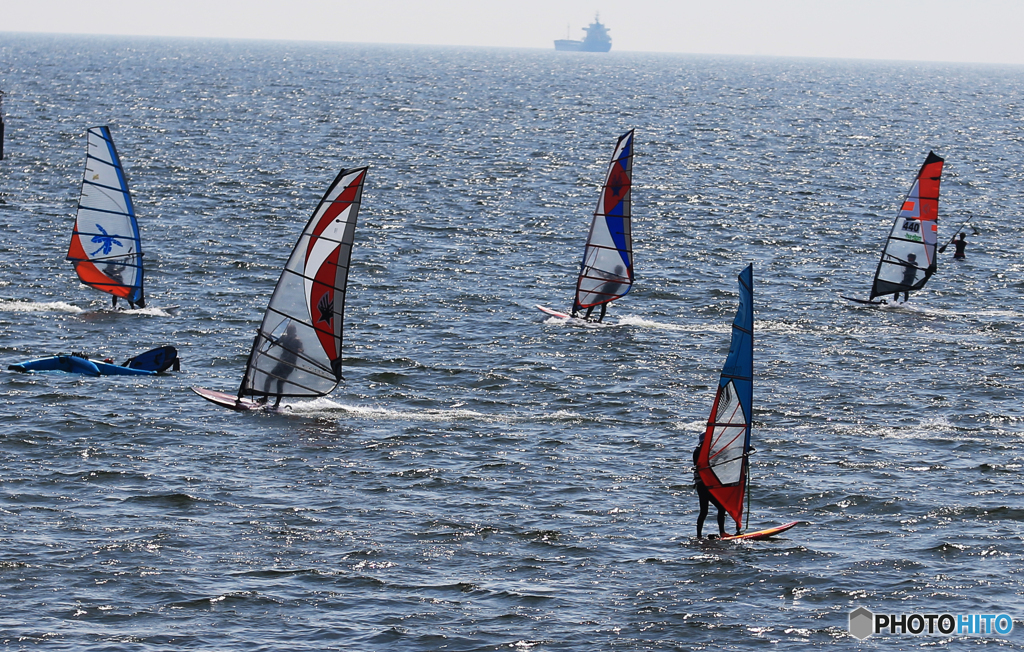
{"x":977,"y":31}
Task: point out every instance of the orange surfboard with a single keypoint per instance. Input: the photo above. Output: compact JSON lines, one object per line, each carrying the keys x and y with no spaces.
{"x":761,"y":534}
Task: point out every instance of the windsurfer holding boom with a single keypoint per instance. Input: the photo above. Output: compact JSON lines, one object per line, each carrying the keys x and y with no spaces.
{"x":705,"y":495}
{"x":610,"y":288}
{"x":909,"y":274}
{"x":291,"y":347}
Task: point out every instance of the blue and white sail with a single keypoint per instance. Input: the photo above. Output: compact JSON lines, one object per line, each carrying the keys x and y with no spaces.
{"x":105,"y":246}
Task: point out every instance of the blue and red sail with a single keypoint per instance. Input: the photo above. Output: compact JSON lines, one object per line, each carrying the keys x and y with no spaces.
{"x":606,"y":272}
{"x":725,"y":444}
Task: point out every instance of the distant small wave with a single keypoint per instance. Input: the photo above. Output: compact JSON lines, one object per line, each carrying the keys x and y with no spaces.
{"x":35,"y":306}
{"x":63,"y":306}
{"x":633,"y":320}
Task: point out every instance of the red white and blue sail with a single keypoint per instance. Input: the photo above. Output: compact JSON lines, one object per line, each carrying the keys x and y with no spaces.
{"x":908,"y":260}
{"x":297,"y":350}
{"x":105,"y":246}
{"x":607,"y":269}
{"x":725,"y":444}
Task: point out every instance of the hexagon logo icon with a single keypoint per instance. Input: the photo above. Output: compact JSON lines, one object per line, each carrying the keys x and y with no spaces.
{"x":861,"y":621}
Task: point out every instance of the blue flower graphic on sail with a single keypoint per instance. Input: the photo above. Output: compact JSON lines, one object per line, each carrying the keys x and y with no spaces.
{"x":106,"y":242}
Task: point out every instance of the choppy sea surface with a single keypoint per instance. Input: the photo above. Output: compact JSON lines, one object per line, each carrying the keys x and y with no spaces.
{"x":487,"y":478}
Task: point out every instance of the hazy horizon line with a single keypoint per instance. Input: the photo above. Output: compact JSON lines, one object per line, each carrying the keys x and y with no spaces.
{"x":509,"y":47}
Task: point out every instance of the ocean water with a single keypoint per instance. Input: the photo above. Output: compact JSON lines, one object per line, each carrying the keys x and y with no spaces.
{"x":487,"y":478}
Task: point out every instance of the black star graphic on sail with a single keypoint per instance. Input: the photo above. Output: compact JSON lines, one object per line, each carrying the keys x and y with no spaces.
{"x":326,"y":308}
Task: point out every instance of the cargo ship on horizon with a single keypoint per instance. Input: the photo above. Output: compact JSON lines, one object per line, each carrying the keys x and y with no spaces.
{"x":596,"y":40}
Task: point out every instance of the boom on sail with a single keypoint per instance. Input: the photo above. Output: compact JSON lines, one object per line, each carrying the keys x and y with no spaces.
{"x":105,"y":249}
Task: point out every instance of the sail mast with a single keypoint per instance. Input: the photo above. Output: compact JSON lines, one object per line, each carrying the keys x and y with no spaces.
{"x":297,"y":349}
{"x":606,"y":272}
{"x":105,"y":248}
{"x":725,"y":444}
{"x":908,"y":259}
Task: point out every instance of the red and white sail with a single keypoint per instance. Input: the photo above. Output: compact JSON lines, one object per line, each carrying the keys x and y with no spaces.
{"x":725,"y":444}
{"x":297,"y":350}
{"x":908,"y":260}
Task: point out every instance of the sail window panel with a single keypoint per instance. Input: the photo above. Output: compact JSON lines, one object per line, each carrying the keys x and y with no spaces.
{"x":279,"y":356}
{"x":908,"y":255}
{"x":911,"y":207}
{"x":290,"y":299}
{"x":604,"y":277}
{"x":725,"y":454}
{"x":303,"y":380}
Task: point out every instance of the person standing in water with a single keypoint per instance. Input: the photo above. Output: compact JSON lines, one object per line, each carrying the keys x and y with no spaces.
{"x":705,"y":497}
{"x":961,"y":247}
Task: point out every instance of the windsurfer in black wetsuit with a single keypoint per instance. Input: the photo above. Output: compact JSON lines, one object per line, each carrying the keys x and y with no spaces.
{"x":577,"y":308}
{"x":604,"y":308}
{"x":961,"y":247}
{"x":611,"y":288}
{"x":114,"y":272}
{"x":291,"y":347}
{"x":909,"y":274}
{"x":704,"y":494}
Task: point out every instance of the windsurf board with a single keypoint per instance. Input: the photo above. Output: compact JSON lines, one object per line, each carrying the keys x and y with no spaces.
{"x":761,"y":534}
{"x":230,"y":401}
{"x":865,"y":301}
{"x":553,"y":313}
